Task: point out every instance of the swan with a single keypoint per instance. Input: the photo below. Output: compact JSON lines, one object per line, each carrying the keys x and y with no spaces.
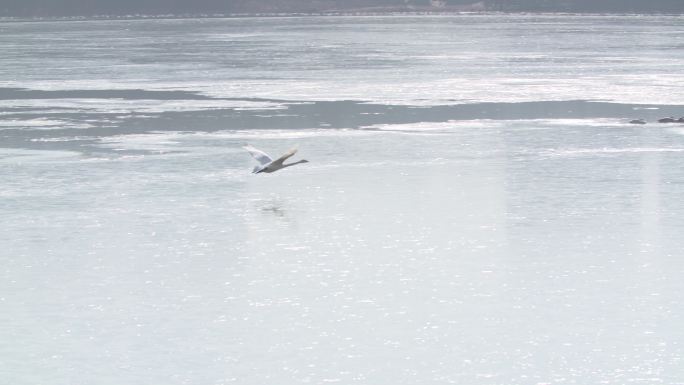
{"x":267,"y":164}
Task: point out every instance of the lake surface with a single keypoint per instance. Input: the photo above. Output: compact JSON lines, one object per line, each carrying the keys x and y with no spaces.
{"x":476,"y":210}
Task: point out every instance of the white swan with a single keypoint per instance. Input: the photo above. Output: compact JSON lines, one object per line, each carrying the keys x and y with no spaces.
{"x":267,"y":164}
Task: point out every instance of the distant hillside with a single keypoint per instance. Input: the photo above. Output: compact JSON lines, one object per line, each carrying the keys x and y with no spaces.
{"x":593,"y":6}
{"x":42,"y":8}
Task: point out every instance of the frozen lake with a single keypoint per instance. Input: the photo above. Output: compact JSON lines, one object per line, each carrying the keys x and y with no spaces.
{"x":477,"y":208}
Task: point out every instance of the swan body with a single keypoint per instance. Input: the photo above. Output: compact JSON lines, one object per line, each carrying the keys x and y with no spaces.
{"x":267,"y":164}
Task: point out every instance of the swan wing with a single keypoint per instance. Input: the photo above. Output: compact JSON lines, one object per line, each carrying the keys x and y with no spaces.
{"x":259,"y":155}
{"x":285,"y":156}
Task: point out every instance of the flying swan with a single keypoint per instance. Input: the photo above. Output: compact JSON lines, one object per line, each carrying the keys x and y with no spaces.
{"x":267,"y":164}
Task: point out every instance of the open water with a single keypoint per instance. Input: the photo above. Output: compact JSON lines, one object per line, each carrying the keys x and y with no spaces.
{"x":476,"y":208}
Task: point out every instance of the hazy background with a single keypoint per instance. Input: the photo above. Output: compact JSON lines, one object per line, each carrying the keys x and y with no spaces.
{"x":34,"y":8}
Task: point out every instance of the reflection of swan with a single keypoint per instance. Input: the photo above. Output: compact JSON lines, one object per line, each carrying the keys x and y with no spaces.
{"x":276,"y":210}
{"x":267,"y":164}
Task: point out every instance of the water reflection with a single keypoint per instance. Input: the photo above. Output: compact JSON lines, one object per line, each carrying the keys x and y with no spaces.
{"x":650,"y":210}
{"x":274,"y":208}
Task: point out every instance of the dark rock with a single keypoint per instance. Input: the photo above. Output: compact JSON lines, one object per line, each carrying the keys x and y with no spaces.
{"x":637,"y":121}
{"x":667,"y":120}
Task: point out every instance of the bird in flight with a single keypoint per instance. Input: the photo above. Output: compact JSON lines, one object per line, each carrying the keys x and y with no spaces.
{"x":267,"y":164}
